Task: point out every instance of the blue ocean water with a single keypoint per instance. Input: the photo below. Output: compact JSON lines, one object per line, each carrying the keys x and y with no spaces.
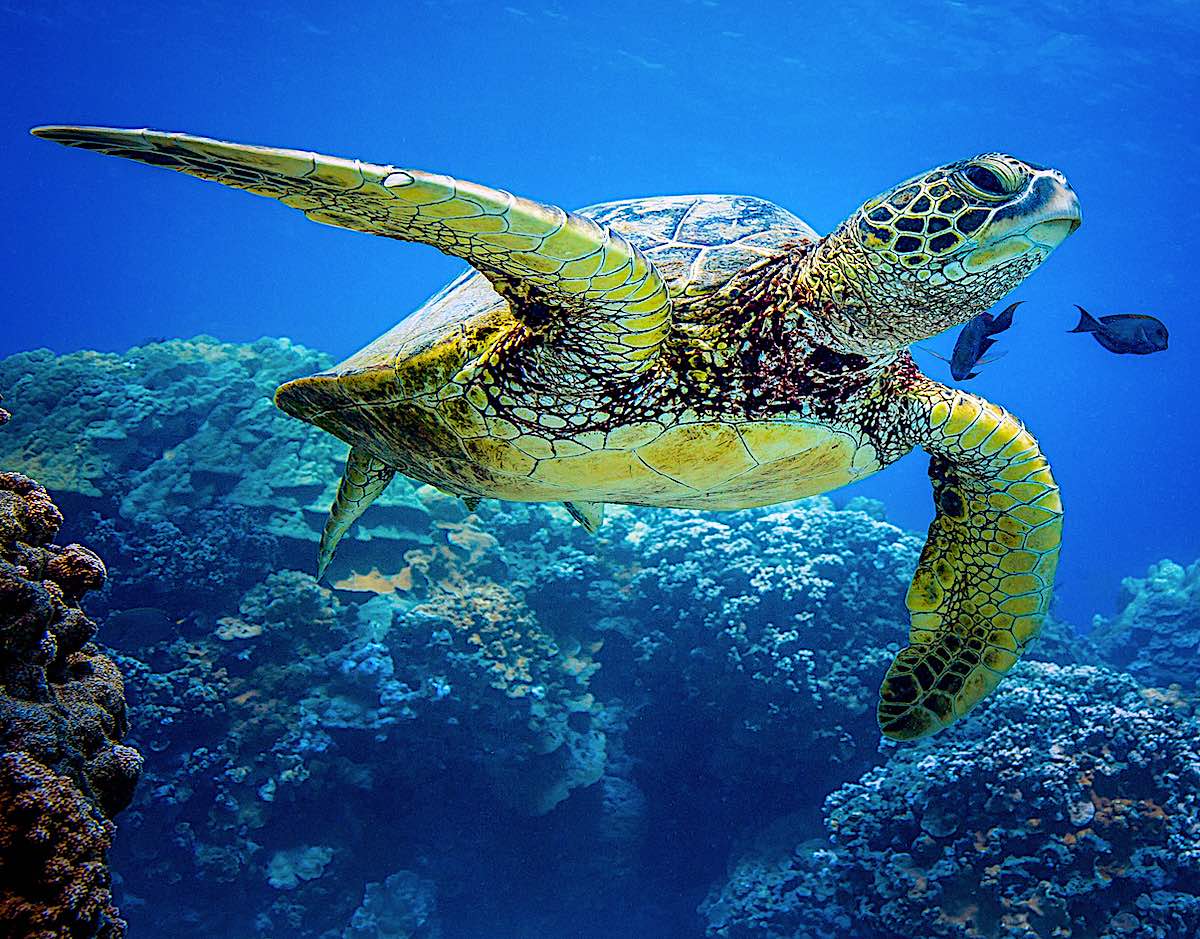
{"x":815,"y":106}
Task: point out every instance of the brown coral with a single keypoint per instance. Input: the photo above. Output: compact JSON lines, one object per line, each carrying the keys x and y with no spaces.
{"x":27,"y":515}
{"x":63,"y":771}
{"x":76,"y":569}
{"x":54,"y":883}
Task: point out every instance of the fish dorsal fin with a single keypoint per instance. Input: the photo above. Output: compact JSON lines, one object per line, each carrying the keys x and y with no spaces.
{"x":1003,"y":319}
{"x":587,"y":514}
{"x":1087,"y":322}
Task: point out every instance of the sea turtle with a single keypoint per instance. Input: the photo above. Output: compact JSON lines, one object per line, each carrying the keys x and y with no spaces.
{"x":703,"y":352}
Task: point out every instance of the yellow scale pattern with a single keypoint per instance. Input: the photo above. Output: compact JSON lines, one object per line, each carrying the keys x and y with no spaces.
{"x":600,"y":313}
{"x":745,"y":463}
{"x":362,"y":483}
{"x":983,"y":583}
{"x":609,"y":293}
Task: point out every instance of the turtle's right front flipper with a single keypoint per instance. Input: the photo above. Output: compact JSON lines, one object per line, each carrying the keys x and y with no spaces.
{"x":600,"y":301}
{"x":984,"y":580}
{"x":363,"y":482}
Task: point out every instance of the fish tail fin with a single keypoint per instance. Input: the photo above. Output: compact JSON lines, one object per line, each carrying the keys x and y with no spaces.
{"x":1087,"y":322}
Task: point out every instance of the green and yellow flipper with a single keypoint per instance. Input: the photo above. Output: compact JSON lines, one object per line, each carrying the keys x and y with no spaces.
{"x":362,"y":483}
{"x":984,"y":580}
{"x":601,"y":300}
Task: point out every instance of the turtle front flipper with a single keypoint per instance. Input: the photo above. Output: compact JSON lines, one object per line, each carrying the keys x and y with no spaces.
{"x":363,"y":482}
{"x":984,"y":580}
{"x":602,"y":303}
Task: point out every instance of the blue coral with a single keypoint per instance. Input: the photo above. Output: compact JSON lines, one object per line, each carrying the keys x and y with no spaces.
{"x":1066,"y":806}
{"x":1156,"y":634}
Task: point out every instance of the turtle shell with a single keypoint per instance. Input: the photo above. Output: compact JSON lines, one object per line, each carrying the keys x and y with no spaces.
{"x":696,"y":242}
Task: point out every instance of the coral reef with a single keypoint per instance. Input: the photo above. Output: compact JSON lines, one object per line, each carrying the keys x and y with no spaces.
{"x":767,"y":630}
{"x":53,"y":846}
{"x":783,"y":883}
{"x":471,"y":690}
{"x":1156,"y":635}
{"x":404,"y":906}
{"x":280,"y":707}
{"x":64,"y":774}
{"x":131,"y":444}
{"x":1067,"y":806}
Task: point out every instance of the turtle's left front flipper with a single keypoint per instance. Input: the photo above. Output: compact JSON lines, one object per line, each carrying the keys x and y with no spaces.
{"x":598,"y":301}
{"x":984,"y":580}
{"x":362,"y":483}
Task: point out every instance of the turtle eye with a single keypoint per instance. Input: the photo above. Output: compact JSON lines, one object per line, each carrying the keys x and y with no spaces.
{"x":989,"y":181}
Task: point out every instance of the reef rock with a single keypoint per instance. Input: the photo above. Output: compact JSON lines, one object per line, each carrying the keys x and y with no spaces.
{"x":302,"y":703}
{"x":467,"y":690}
{"x":404,"y":906}
{"x":64,"y":774}
{"x":766,"y":630}
{"x":1067,"y":806}
{"x":134,"y":443}
{"x":1156,"y":635}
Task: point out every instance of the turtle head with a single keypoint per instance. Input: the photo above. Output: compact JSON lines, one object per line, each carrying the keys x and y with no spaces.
{"x":939,"y":249}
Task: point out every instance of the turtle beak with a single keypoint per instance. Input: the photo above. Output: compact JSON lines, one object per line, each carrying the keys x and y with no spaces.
{"x":1058,"y":214}
{"x":1039,"y":221}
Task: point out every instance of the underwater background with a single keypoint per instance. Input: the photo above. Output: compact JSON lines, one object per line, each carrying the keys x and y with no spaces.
{"x":492,"y":724}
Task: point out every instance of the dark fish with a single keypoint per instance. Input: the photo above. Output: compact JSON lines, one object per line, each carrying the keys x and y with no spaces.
{"x":974,"y":340}
{"x":137,"y":627}
{"x":1124,"y":333}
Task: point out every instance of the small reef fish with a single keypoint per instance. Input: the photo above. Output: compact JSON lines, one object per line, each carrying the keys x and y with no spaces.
{"x":974,"y":340}
{"x":1124,"y":333}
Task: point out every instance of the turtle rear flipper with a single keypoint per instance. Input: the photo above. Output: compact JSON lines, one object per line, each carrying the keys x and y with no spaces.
{"x":588,"y":514}
{"x":984,"y":580}
{"x":600,"y":300}
{"x":362,"y":483}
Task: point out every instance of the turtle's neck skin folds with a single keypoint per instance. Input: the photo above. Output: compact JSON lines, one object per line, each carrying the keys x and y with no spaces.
{"x":786,"y":359}
{"x":859,"y":309}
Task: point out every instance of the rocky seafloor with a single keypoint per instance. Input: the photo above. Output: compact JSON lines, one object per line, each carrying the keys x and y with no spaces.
{"x":493,"y":724}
